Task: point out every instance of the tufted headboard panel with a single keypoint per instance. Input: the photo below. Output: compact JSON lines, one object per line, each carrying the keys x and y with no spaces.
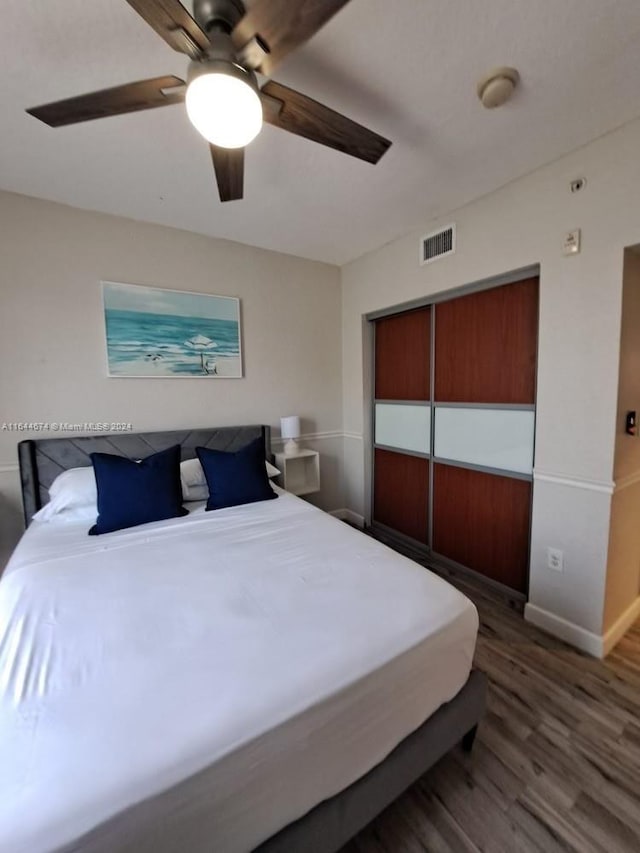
{"x":41,"y":460}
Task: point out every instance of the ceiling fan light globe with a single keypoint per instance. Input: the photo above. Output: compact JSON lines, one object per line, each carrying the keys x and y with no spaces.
{"x":224,"y":109}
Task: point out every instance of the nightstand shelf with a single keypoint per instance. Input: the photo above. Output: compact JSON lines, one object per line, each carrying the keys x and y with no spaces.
{"x":299,"y":473}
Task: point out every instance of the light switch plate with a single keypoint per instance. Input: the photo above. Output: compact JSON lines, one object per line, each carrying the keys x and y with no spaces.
{"x":571,"y":245}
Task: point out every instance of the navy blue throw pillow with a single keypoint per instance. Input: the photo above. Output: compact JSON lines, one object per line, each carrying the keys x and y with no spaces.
{"x":132,"y":493}
{"x":236,"y":478}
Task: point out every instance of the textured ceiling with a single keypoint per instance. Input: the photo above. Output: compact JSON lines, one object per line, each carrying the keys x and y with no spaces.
{"x":407,"y":69}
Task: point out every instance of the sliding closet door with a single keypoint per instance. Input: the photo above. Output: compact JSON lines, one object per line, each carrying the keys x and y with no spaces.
{"x":484,"y":400}
{"x":402,"y":423}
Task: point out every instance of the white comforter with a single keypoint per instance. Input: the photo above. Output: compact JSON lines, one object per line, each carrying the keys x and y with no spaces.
{"x":269,"y":646}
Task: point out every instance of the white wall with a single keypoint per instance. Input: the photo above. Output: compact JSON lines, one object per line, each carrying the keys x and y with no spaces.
{"x":52,"y":344}
{"x":520,"y":225}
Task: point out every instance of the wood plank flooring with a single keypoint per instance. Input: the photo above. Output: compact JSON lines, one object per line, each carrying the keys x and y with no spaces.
{"x":555,"y":766}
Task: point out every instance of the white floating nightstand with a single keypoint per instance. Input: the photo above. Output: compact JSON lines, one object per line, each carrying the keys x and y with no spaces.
{"x":300,"y":472}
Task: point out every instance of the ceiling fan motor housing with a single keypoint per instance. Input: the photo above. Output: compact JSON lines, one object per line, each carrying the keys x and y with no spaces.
{"x":218,"y":18}
{"x":221,"y":63}
{"x":218,"y":14}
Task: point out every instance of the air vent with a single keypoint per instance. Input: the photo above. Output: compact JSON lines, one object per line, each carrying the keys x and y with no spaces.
{"x":438,"y":244}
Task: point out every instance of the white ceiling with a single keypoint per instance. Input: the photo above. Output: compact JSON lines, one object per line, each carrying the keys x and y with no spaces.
{"x":407,"y":69}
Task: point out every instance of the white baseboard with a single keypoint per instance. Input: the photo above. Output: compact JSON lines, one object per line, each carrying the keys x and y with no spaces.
{"x":621,"y":626}
{"x":586,"y":641}
{"x":348,"y":515}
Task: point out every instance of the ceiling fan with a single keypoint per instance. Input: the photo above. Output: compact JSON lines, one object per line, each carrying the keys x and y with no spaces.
{"x":227,"y":45}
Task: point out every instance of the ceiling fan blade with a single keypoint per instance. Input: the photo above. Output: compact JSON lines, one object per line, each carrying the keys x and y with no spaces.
{"x":305,"y":117}
{"x":143,"y":95}
{"x":174,"y":24}
{"x":229,"y":166}
{"x":283,"y":25}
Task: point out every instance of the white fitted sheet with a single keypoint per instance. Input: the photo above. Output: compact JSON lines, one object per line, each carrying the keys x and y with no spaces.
{"x":268,"y":654}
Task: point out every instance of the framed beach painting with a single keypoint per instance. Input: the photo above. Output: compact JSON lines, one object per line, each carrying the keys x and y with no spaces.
{"x":153,"y":333}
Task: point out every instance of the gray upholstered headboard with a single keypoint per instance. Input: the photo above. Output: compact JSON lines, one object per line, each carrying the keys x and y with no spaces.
{"x":41,"y":460}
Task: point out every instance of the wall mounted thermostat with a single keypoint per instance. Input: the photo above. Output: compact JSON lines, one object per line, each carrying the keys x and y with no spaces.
{"x":631,"y":423}
{"x":571,"y":244}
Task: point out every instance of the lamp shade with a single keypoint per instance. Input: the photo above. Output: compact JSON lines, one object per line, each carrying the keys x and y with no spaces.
{"x":290,"y":426}
{"x":223,"y":104}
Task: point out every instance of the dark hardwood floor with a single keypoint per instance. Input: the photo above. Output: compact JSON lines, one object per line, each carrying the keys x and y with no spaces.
{"x":556,"y":763}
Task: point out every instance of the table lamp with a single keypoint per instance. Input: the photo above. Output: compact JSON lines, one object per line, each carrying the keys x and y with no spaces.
{"x":290,"y":430}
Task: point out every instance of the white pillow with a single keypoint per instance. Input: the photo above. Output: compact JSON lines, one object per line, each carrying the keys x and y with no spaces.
{"x":191,"y":473}
{"x":272,"y":471}
{"x":72,"y":490}
{"x":194,"y":483}
{"x":87,"y":514}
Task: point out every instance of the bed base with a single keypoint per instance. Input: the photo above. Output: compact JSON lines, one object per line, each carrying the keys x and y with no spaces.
{"x":327,"y":827}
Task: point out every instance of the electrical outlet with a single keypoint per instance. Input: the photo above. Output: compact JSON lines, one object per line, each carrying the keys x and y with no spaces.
{"x":555,"y":559}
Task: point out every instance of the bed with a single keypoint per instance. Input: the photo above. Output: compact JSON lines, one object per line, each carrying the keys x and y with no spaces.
{"x":261,"y":677}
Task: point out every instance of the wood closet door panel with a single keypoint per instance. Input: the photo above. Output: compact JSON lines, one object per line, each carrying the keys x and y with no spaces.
{"x":486,"y":345}
{"x":482,"y":521}
{"x":401,"y":493}
{"x":402,"y":357}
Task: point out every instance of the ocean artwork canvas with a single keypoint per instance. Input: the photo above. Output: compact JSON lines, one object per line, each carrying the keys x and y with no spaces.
{"x":153,"y":332}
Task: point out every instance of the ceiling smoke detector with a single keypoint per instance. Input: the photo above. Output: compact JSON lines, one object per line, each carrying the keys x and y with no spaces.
{"x":495,"y":88}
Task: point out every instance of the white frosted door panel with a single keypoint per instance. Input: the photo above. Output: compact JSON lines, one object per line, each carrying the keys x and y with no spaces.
{"x":404,"y":427}
{"x":494,"y":438}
